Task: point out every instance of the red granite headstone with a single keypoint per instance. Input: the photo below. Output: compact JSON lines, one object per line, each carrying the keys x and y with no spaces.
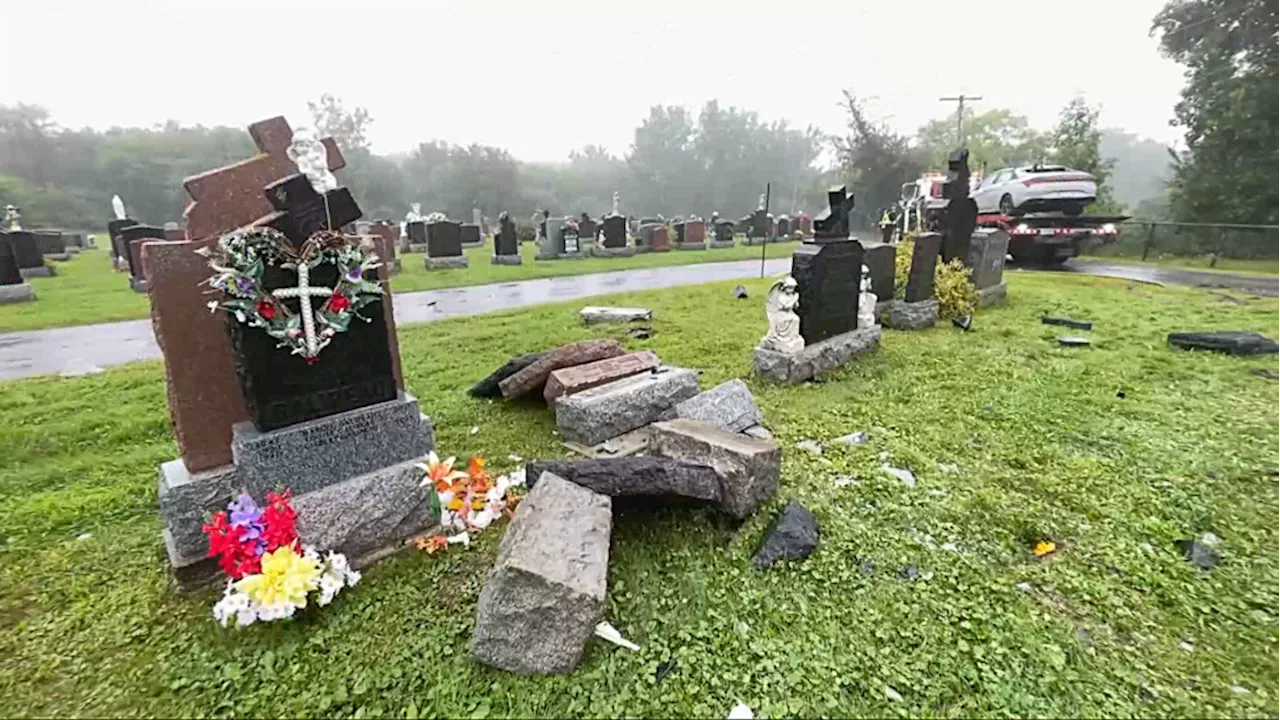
{"x":231,"y":197}
{"x":661,"y":239}
{"x":695,"y":232}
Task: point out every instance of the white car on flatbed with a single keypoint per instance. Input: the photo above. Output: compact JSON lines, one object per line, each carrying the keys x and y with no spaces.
{"x":1035,"y":188}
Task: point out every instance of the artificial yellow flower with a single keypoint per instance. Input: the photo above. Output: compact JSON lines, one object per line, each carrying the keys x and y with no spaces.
{"x":1044,"y":547}
{"x":286,"y":577}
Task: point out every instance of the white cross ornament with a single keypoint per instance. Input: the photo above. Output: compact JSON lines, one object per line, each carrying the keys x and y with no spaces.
{"x":305,"y":292}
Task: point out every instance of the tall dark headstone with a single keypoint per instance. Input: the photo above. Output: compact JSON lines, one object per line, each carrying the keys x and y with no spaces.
{"x":961,"y":214}
{"x":416,"y":231}
{"x":828,"y":276}
{"x":924,"y":257}
{"x":723,"y":233}
{"x":470,"y":233}
{"x":444,"y":239}
{"x":587,"y":228}
{"x":570,"y":240}
{"x":832,"y":224}
{"x":615,"y":231}
{"x":987,"y":250}
{"x":506,"y":242}
{"x":355,"y":370}
{"x":9,"y":273}
{"x":118,"y":248}
{"x":50,"y":242}
{"x":26,"y":249}
{"x":880,"y":259}
{"x":784,"y":227}
{"x":131,"y":238}
{"x":759,"y":224}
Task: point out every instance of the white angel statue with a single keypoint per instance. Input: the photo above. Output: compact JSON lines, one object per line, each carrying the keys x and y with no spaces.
{"x":784,"y":323}
{"x":866,"y":301}
{"x":312,"y":160}
{"x":117,"y":206}
{"x":414,"y":214}
{"x":12,"y":218}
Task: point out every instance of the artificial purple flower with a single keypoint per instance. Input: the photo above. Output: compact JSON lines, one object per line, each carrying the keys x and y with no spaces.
{"x":247,"y":516}
{"x":244,"y":284}
{"x":354,"y":275}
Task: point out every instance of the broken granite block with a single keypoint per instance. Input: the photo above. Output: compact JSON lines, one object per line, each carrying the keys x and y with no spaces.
{"x":728,"y":405}
{"x":1231,"y":343}
{"x":570,"y":380}
{"x":748,"y":467}
{"x":607,"y":411}
{"x":545,"y":594}
{"x":642,"y":475}
{"x":488,"y":387}
{"x":793,"y":536}
{"x":593,"y":314}
{"x":820,"y":357}
{"x":534,"y":376}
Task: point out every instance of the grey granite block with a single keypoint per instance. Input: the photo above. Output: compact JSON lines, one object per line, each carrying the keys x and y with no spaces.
{"x":418,"y":248}
{"x":993,"y":295}
{"x":321,"y":452}
{"x":545,"y":593}
{"x":505,"y":259}
{"x":138,"y":284}
{"x":42,"y":271}
{"x":58,"y":257}
{"x":192,"y":573}
{"x":609,"y":410}
{"x":721,"y":244}
{"x":445,"y":263}
{"x":186,"y":501}
{"x":605,"y":314}
{"x":601,"y":251}
{"x":748,"y":467}
{"x":903,"y":315}
{"x":21,"y":292}
{"x":623,"y":476}
{"x":818,"y":358}
{"x":729,"y":406}
{"x":363,"y":515}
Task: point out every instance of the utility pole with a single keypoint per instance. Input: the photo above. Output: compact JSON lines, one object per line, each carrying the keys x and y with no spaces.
{"x":959,"y":100}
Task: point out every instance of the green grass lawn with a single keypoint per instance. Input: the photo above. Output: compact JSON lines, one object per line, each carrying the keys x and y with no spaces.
{"x":1113,"y":452}
{"x":1224,"y":265}
{"x":86,"y":289}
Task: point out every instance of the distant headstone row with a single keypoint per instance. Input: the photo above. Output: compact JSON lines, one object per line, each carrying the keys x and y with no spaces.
{"x":28,"y":253}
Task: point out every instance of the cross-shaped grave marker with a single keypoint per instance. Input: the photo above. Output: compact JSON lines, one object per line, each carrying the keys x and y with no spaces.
{"x":231,"y":197}
{"x":304,"y":292}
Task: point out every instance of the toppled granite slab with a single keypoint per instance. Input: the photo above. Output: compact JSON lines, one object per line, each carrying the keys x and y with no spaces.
{"x":815,"y":359}
{"x":570,"y":380}
{"x":593,"y":314}
{"x":488,"y":387}
{"x":534,"y":376}
{"x":912,"y":316}
{"x":612,"y":409}
{"x":1236,"y":342}
{"x":545,"y":593}
{"x":728,"y":405}
{"x":748,"y":467}
{"x":618,"y":477}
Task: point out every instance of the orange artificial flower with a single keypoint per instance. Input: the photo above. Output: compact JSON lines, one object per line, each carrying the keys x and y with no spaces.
{"x":1044,"y":547}
{"x":440,"y":473}
{"x":431,"y":543}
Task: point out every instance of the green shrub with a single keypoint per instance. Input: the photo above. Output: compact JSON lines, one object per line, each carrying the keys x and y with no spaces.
{"x":952,"y":282}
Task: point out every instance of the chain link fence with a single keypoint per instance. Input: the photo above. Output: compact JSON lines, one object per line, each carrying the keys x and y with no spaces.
{"x":1197,"y":244}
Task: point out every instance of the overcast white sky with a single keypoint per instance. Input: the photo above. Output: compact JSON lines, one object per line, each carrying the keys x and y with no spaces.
{"x":542,"y":78}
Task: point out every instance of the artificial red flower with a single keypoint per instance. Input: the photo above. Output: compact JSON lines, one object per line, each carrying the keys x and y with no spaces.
{"x":236,"y":555}
{"x":266,"y":309}
{"x":279,"y":521}
{"x":339,"y":302}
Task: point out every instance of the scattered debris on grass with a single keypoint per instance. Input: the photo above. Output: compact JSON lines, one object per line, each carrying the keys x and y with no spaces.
{"x":1024,"y":587}
{"x":793,"y":536}
{"x":1044,"y":547}
{"x":892,"y":694}
{"x":608,"y":632}
{"x":1067,"y":322}
{"x":664,"y":669}
{"x":1072,"y":341}
{"x":906,"y":477}
{"x":853,"y":439}
{"x":1199,"y":553}
{"x":964,"y":322}
{"x":740,"y":292}
{"x":810,"y":446}
{"x":740,"y":712}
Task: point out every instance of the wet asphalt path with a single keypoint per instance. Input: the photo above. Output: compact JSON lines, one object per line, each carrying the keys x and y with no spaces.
{"x":1268,"y":286}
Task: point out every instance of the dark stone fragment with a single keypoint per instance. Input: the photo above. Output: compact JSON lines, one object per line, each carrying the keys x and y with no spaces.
{"x":1265,"y":373}
{"x":664,"y":669}
{"x":910,"y":572}
{"x":793,"y":536}
{"x":740,"y":292}
{"x":1067,"y":322}
{"x":640,"y":333}
{"x":1235,"y":342}
{"x":964,"y":322}
{"x":867,"y":568}
{"x":1072,"y":341}
{"x":488,"y":387}
{"x":924,"y":257}
{"x":1199,"y":554}
{"x":640,"y":475}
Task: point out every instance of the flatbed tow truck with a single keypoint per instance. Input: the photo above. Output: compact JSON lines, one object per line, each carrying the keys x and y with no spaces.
{"x":1052,"y":238}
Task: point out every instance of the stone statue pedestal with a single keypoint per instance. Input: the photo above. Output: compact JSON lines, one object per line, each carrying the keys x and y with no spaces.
{"x":901,"y":315}
{"x":815,"y":359}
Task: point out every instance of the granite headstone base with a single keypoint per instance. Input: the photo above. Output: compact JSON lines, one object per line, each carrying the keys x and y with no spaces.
{"x":903,"y":315}
{"x":602,"y":251}
{"x":43,"y":271}
{"x":58,"y":256}
{"x":815,"y":359}
{"x":138,"y":284}
{"x":446,"y":263}
{"x":417,"y":248}
{"x":583,"y":255}
{"x":505,"y":259}
{"x":321,"y":452}
{"x":721,"y":244}
{"x":993,"y":295}
{"x":19,"y":292}
{"x":690,"y":246}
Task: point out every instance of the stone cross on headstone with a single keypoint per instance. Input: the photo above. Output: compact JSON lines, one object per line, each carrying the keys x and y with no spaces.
{"x":304,"y":292}
{"x":231,"y":196}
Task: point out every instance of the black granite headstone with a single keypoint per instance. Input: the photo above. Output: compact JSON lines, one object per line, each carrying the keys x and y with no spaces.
{"x":987,"y":250}
{"x":924,"y":257}
{"x":506,"y":242}
{"x":784,"y":227}
{"x":569,"y":239}
{"x":1231,"y":342}
{"x":50,"y":242}
{"x":353,"y":371}
{"x":302,"y":212}
{"x":828,"y":276}
{"x":587,"y":227}
{"x":138,"y":234}
{"x":679,"y":228}
{"x":724,"y":231}
{"x":444,"y":239}
{"x":615,"y":231}
{"x":26,"y":250}
{"x":9,"y":274}
{"x":416,"y":232}
{"x":833,"y":222}
{"x":470,"y":233}
{"x":961,"y":214}
{"x":118,"y":248}
{"x":880,"y":259}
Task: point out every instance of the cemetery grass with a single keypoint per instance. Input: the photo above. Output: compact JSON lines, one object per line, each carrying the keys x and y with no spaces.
{"x":87,"y":291}
{"x":1112,"y":452}
{"x":1234,"y":266}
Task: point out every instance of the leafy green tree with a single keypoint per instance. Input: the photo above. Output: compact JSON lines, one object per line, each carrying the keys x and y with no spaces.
{"x":348,"y":127}
{"x":1076,"y":143}
{"x":1228,"y":109}
{"x":995,"y":139}
{"x":875,"y":162}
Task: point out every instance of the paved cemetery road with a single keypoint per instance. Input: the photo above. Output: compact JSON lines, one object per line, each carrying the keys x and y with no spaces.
{"x":1258,"y":285}
{"x":88,"y":348}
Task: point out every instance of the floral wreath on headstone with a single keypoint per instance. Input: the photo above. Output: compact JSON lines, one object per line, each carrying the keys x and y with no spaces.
{"x":240,"y":258}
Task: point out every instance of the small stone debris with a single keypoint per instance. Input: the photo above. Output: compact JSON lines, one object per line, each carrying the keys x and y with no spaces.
{"x":867,"y":568}
{"x":1239,"y":690}
{"x":1232,"y":343}
{"x":892,"y":694}
{"x":593,"y":314}
{"x":1198,"y":553}
{"x":1265,"y":373}
{"x":740,"y":292}
{"x":910,"y":572}
{"x":793,"y":536}
{"x":740,"y":712}
{"x":964,"y":322}
{"x":948,"y":468}
{"x":759,"y":432}
{"x":845,"y":481}
{"x":640,"y":333}
{"x":906,"y":477}
{"x":810,"y":446}
{"x":1185,"y":646}
{"x":1073,"y":341}
{"x":664,"y":669}
{"x":84,"y":536}
{"x":1210,"y":539}
{"x":1067,"y":322}
{"x":853,"y":439}
{"x":1024,"y":587}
